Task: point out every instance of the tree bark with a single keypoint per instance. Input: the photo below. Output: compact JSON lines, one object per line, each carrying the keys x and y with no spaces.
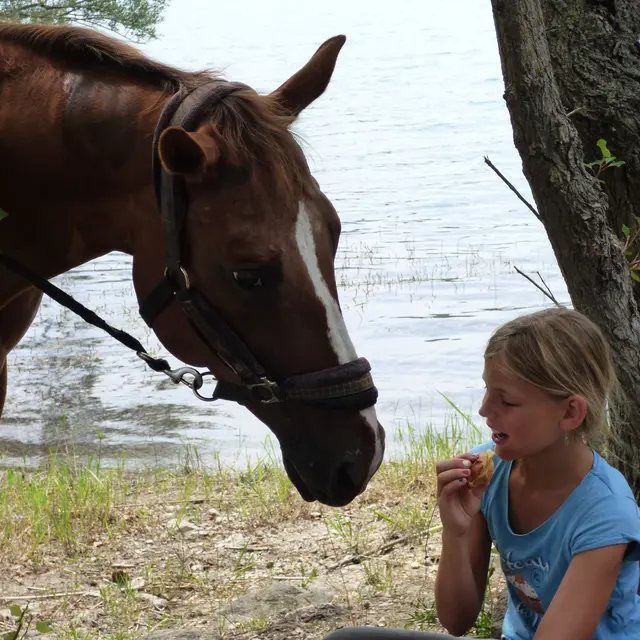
{"x":572,"y":76}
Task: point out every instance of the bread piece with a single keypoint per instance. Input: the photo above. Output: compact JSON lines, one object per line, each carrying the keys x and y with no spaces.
{"x":482,"y":469}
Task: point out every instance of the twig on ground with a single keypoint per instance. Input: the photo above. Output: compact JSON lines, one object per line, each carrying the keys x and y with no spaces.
{"x":51,"y":596}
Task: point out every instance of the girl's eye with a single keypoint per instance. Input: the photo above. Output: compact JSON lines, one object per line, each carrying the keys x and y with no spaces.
{"x":509,"y":404}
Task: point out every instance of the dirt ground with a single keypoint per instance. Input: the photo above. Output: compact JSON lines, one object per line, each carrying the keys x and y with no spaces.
{"x":234,"y":563}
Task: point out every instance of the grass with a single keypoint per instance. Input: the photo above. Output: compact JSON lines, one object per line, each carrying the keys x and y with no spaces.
{"x":363,"y":269}
{"x":197,"y":536}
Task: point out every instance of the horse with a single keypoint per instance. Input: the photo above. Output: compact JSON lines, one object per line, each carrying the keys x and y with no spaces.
{"x":204,"y":183}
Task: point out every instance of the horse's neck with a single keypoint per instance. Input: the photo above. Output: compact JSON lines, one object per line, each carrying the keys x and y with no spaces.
{"x":76,"y":166}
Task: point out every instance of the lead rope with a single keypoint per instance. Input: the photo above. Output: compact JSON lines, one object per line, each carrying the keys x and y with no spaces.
{"x":188,"y":376}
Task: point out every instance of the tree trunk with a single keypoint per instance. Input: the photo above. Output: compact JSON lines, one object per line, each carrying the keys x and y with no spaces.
{"x":572,"y":76}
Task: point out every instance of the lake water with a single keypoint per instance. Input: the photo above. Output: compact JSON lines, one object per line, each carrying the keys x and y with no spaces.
{"x":430,"y":234}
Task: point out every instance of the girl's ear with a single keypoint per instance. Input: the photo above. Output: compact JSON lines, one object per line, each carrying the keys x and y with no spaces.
{"x":575,"y":412}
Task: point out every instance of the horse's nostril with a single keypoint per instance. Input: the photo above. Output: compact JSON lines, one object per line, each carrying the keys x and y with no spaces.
{"x":344,"y":484}
{"x":345,"y":478}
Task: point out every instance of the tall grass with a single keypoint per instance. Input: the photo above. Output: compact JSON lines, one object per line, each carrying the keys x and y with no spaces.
{"x":61,"y":501}
{"x":70,"y":503}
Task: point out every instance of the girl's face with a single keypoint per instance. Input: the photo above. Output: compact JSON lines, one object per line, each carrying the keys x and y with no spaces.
{"x":524,"y":420}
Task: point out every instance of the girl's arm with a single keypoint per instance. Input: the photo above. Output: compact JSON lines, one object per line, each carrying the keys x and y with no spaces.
{"x":462,"y":577}
{"x":583,"y":595}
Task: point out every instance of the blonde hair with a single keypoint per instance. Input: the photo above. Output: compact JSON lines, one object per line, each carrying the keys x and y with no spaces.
{"x":563,"y":353}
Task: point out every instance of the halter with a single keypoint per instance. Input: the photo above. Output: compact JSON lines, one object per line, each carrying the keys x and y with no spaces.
{"x":346,"y":386}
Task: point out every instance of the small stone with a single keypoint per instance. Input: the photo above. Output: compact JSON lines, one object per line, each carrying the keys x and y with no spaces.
{"x":315,"y":514}
{"x":137,"y":583}
{"x":154,"y":601}
{"x":184,"y":527}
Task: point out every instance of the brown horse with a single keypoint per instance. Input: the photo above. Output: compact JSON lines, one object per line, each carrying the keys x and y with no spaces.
{"x":201,"y":181}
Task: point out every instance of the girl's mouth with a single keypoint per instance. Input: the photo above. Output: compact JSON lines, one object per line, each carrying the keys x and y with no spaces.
{"x":499,"y":438}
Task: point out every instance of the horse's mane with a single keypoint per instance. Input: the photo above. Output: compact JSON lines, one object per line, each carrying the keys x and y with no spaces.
{"x":252,"y":128}
{"x":88,"y":49}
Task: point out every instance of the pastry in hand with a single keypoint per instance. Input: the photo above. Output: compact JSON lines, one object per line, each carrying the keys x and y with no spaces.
{"x":482,"y":469}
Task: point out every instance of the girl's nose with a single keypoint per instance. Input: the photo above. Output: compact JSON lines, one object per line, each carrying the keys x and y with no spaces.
{"x":483,"y":411}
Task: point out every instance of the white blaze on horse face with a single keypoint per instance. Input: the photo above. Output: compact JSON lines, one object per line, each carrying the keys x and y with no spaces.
{"x":337,"y":329}
{"x":338,"y":335}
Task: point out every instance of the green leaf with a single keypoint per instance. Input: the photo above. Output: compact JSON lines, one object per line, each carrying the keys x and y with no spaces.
{"x":9,"y":636}
{"x":595,"y":163}
{"x":44,"y":627}
{"x":382,"y":516}
{"x":3,"y":214}
{"x":635,"y":276}
{"x":16,"y":611}
{"x":603,"y":148}
{"x":617,"y":163}
{"x":626,"y":230}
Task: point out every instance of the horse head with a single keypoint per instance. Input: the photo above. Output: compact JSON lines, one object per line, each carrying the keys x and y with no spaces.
{"x":245,"y":261}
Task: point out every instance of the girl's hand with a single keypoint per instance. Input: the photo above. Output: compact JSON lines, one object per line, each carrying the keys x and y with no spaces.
{"x":458,"y":503}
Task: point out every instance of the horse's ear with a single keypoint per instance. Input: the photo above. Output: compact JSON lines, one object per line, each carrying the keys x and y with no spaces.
{"x":302,"y":88}
{"x":188,"y":153}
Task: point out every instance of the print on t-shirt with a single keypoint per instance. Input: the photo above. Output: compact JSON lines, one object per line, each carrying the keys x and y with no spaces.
{"x":524,"y":576}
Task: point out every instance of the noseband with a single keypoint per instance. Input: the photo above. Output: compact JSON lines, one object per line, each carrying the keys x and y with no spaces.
{"x":348,"y":386}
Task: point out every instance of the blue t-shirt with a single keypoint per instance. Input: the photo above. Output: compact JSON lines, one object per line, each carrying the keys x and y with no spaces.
{"x":601,"y":511}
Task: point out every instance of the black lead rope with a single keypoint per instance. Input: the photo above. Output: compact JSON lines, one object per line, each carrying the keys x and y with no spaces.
{"x":157,"y":364}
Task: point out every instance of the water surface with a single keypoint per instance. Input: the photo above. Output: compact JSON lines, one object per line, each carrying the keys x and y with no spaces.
{"x":430,"y":234}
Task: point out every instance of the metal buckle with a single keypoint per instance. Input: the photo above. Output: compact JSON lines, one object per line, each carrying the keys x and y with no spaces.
{"x":185,"y":276}
{"x":266,"y":391}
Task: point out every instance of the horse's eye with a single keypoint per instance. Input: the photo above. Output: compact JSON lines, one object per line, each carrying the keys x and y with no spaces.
{"x":247,"y":279}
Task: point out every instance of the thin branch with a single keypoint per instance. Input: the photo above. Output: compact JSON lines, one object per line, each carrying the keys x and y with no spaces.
{"x":535,"y":284}
{"x":546,"y":286}
{"x":51,"y":596}
{"x":530,"y":207}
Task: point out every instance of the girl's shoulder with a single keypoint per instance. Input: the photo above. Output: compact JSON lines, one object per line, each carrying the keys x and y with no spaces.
{"x":606,"y":480}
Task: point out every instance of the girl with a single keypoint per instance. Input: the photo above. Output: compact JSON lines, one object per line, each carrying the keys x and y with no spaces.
{"x":564,"y":522}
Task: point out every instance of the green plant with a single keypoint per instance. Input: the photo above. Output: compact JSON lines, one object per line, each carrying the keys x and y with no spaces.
{"x":633,"y":257}
{"x":379,"y":575}
{"x":23,"y":624}
{"x":308,"y":574}
{"x":598,"y":167}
